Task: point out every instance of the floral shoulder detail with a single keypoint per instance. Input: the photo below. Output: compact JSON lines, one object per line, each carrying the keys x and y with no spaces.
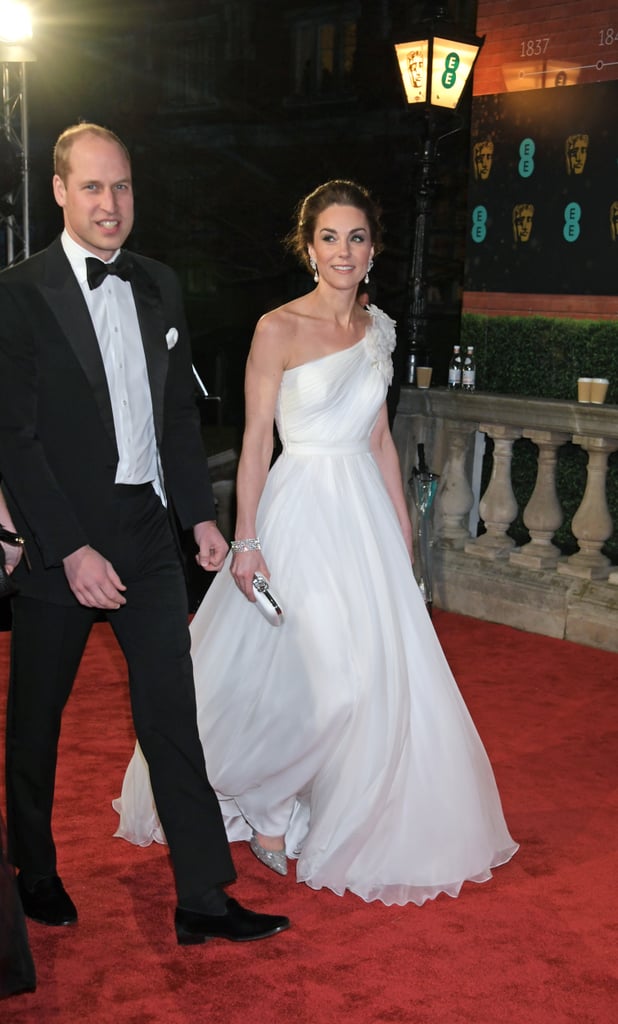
{"x":381,"y":342}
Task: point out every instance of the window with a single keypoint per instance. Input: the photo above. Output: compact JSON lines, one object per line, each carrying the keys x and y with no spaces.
{"x":189,"y":73}
{"x":325,"y":47}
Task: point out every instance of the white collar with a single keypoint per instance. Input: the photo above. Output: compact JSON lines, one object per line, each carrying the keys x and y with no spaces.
{"x":77,"y":256}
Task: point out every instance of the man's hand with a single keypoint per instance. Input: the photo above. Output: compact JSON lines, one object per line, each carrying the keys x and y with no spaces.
{"x":93,"y":579}
{"x":212,"y":544}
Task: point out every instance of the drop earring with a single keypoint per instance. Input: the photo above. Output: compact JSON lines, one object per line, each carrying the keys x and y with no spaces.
{"x":314,"y":267}
{"x":369,"y":268}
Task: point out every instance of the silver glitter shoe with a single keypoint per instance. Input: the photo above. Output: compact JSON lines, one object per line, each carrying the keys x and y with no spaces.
{"x":276,"y":860}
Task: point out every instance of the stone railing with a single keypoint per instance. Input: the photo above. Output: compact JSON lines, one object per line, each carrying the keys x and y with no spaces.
{"x":531,"y":587}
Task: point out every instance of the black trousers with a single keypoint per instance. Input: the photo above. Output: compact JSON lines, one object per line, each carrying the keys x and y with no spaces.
{"x":48,"y":641}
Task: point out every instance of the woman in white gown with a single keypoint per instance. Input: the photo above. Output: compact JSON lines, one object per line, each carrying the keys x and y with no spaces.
{"x":340,"y":739}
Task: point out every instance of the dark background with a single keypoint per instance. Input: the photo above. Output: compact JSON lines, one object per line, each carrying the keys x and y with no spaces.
{"x":232,"y":111}
{"x":229,"y":126}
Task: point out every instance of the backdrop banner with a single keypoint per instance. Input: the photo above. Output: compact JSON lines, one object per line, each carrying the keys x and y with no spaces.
{"x":543,"y":193}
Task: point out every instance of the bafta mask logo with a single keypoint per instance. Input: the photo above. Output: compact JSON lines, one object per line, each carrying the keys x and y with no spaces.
{"x":613,"y":220}
{"x":523,"y":214}
{"x":576,"y":150}
{"x":482,"y":155}
{"x":416,"y":67}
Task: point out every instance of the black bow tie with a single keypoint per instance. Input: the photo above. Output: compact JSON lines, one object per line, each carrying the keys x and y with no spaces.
{"x":97,"y":270}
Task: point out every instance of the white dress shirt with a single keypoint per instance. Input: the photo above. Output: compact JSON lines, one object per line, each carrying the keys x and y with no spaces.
{"x":114,"y":317}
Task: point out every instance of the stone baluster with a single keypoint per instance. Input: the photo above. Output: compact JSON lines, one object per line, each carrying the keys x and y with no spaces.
{"x":543,"y":513}
{"x":592,"y":523}
{"x":455,"y":496}
{"x":498,"y":506}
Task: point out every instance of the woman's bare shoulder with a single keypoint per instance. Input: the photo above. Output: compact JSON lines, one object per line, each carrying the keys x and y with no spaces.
{"x":285,"y":315}
{"x":273,"y":339}
{"x":281,"y":323}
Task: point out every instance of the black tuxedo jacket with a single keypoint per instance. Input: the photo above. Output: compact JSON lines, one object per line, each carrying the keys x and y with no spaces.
{"x":58,"y":452}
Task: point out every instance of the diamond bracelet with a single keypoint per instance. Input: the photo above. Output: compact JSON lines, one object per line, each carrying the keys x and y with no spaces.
{"x":249,"y":544}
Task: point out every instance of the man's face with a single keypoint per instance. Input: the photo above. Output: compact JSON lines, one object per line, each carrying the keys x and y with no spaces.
{"x":97,"y":197}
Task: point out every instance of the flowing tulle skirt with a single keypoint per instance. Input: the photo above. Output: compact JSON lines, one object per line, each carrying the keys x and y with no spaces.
{"x":344,"y":728}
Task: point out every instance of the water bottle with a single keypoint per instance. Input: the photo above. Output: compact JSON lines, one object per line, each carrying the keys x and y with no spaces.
{"x":411,"y":363}
{"x":454,"y":369}
{"x":468,"y":373}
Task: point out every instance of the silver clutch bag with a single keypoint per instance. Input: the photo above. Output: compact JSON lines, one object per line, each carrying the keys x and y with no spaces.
{"x":266,"y":601}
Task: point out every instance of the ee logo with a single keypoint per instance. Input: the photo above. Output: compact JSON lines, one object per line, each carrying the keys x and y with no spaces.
{"x":479,"y":224}
{"x":572,"y":217}
{"x":449,"y":75}
{"x":526,"y":158}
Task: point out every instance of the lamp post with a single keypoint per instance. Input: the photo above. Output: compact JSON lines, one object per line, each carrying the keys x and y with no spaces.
{"x":435,"y":62}
{"x":15,"y":31}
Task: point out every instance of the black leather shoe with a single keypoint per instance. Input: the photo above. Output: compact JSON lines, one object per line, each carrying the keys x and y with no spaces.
{"x":237,"y":925}
{"x":48,"y":902}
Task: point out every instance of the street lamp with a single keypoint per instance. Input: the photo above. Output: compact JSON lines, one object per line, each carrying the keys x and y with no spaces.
{"x":435,"y":62}
{"x":15,"y":31}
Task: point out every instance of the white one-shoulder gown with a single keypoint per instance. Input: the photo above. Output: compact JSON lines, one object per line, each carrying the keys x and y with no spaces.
{"x":343,"y":728}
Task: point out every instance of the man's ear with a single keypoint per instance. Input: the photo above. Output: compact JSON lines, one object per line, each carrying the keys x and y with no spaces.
{"x":59,"y":190}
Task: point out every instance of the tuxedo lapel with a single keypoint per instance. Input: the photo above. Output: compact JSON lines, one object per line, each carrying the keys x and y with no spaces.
{"x":152,"y":326}
{"x":64,"y":297}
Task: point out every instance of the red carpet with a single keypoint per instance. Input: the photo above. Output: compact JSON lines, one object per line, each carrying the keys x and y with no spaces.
{"x":536,"y":944}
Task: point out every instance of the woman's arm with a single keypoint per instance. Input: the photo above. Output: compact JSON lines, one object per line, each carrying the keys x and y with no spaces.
{"x":385,"y":454}
{"x":262,"y":379}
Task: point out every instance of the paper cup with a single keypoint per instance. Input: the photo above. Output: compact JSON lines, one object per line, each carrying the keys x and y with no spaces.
{"x":598,"y":389}
{"x":583,"y":389}
{"x":423,"y":376}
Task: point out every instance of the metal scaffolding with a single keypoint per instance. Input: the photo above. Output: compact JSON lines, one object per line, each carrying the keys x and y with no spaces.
{"x":14,"y":204}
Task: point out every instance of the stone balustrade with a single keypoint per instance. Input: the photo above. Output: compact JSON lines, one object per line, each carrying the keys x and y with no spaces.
{"x":488,"y":576}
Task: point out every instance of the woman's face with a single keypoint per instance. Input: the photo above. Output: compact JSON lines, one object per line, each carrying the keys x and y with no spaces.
{"x":342,"y":246}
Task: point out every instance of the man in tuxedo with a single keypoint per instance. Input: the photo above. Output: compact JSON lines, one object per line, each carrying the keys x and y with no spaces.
{"x":100,"y":454}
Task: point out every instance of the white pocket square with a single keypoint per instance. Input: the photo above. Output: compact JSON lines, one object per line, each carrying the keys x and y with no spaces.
{"x":171,"y":337}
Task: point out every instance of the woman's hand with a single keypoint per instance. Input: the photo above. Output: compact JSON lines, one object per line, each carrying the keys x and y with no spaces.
{"x":12,"y":555}
{"x":244,"y":566}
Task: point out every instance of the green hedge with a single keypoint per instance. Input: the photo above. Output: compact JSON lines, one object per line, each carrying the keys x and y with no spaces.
{"x":540,"y":357}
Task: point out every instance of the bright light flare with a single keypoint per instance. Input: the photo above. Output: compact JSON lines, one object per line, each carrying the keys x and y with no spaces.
{"x":15,"y":22}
